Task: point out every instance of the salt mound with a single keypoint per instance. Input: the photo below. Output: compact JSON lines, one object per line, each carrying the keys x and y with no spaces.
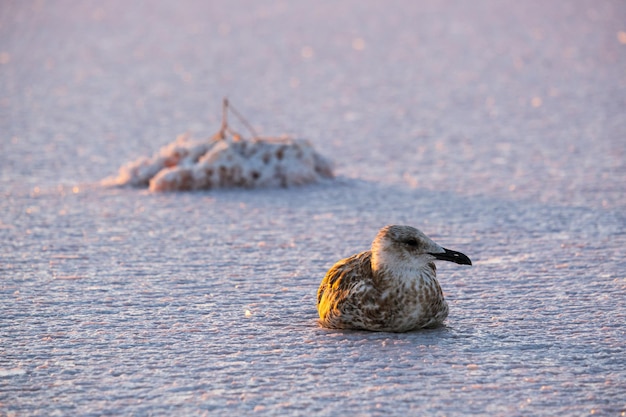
{"x":226,"y":161}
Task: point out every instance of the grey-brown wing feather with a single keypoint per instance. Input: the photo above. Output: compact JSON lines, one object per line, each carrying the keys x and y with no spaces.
{"x":344,"y":289}
{"x":342,"y":276}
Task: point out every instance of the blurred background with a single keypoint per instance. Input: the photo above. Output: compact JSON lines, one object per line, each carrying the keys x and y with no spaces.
{"x":527,"y":96}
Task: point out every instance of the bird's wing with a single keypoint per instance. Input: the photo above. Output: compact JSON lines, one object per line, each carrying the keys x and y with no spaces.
{"x":341,"y":283}
{"x":345,"y":274}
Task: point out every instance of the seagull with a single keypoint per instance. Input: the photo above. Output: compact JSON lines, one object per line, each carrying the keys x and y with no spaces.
{"x":391,"y":288}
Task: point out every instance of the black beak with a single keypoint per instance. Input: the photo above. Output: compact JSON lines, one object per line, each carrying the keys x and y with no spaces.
{"x":453,"y":256}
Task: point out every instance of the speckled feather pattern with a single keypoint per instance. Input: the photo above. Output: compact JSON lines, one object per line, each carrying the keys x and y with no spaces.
{"x":392,"y":287}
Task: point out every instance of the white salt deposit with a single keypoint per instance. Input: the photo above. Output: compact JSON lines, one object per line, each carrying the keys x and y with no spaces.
{"x":250,"y":164}
{"x":225,"y":161}
{"x":180,"y":153}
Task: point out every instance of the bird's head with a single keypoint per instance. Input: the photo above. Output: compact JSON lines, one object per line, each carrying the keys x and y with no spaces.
{"x":407,"y":247}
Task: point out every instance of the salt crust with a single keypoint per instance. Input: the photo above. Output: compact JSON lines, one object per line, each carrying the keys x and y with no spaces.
{"x":226,"y":162}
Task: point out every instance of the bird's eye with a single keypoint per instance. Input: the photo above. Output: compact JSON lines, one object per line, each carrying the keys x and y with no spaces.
{"x":411,"y":242}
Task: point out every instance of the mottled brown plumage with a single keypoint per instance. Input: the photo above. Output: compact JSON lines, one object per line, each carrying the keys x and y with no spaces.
{"x":392,"y":287}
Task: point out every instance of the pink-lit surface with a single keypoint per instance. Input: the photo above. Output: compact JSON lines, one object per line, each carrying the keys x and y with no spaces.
{"x":496,"y":127}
